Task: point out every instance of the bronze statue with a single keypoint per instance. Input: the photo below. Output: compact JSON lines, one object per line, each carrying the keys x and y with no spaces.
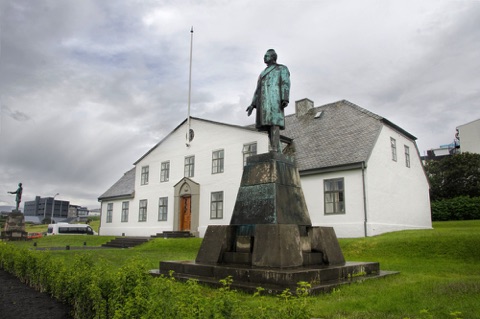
{"x":270,"y":98}
{"x":18,"y":198}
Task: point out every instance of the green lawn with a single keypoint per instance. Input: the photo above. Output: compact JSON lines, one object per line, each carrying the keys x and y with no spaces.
{"x":439,"y":271}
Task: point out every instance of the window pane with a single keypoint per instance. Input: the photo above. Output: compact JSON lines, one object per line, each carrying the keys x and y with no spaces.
{"x":162,"y":208}
{"x":125,"y":206}
{"x":165,"y":172}
{"x":142,"y":213}
{"x":334,"y":196}
{"x":328,"y":186}
{"x":216,"y":205}
{"x":339,"y":185}
{"x":329,"y":198}
{"x":189,"y":166}
{"x":249,"y":150}
{"x":144,"y":176}
{"x":329,"y":208}
{"x":393,"y":144}
{"x":217,"y":162}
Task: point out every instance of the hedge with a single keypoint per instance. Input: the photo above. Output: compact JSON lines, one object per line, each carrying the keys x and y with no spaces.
{"x":458,"y":208}
{"x":131,"y":292}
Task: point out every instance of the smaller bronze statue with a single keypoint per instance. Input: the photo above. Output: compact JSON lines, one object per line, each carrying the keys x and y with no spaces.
{"x":270,"y":98}
{"x":18,"y":198}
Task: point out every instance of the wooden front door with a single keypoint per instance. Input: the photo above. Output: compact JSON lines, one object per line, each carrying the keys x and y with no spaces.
{"x":185,"y":212}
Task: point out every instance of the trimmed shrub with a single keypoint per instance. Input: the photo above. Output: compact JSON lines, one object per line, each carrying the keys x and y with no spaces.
{"x":93,"y":291}
{"x":458,"y":208}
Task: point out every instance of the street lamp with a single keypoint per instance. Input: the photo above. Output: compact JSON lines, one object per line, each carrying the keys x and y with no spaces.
{"x":53,"y":206}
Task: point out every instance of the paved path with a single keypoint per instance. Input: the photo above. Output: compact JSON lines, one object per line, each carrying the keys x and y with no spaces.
{"x":18,"y":301}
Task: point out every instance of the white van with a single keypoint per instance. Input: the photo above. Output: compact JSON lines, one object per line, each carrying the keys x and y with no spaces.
{"x":70,"y":229}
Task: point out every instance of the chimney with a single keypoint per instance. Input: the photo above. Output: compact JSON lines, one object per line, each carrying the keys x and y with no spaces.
{"x":303,"y":106}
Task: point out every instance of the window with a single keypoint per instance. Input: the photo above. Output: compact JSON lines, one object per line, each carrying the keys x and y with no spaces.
{"x":216,"y":205}
{"x":144,"y":177}
{"x":109,"y":212}
{"x":407,"y":156}
{"x":334,"y":196}
{"x":189,"y":166}
{"x":162,"y":208}
{"x":165,"y":172}
{"x":249,"y":150}
{"x":142,"y":211}
{"x":393,"y":144}
{"x":217,"y":162}
{"x":125,"y":206}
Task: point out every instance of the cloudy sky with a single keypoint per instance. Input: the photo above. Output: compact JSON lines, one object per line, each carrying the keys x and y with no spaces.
{"x":87,"y":87}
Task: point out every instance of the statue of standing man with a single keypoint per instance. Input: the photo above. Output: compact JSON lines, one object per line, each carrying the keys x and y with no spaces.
{"x":270,"y":98}
{"x":18,"y":198}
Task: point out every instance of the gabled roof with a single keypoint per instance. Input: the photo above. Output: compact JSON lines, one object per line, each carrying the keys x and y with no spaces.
{"x":342,"y":134}
{"x":248,"y":128}
{"x":124,"y":187}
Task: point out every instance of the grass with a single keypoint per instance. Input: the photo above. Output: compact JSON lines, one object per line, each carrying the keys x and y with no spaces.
{"x":439,"y":271}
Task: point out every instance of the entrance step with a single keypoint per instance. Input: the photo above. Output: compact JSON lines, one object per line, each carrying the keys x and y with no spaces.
{"x":174,"y":234}
{"x":126,"y":242}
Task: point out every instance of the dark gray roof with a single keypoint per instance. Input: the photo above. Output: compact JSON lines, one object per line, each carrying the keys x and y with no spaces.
{"x":344,"y":134}
{"x":123,"y":188}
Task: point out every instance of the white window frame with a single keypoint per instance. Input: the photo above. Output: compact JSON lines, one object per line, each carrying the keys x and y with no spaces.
{"x":165,"y":171}
{"x":109,"y":213}
{"x":216,"y":205}
{"x":162,"y":209}
{"x":189,"y":168}
{"x":249,"y":150}
{"x":125,"y":209}
{"x":393,"y":145}
{"x":144,"y":175}
{"x":334,"y":196}
{"x":407,"y":156}
{"x":142,"y":210}
{"x":218,"y":158}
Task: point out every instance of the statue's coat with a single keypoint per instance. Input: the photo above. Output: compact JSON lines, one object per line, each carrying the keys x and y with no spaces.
{"x":273,"y":87}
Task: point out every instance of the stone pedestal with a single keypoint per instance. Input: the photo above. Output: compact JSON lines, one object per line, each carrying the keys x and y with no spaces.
{"x":14,"y":226}
{"x":270,"y":241}
{"x":270,"y":193}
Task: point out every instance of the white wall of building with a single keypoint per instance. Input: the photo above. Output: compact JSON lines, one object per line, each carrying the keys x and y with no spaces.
{"x":397,"y":195}
{"x":470,"y":137}
{"x":209,"y":137}
{"x":350,"y":224}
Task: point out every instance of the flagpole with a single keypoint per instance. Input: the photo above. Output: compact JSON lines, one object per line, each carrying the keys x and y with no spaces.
{"x":189,"y":90}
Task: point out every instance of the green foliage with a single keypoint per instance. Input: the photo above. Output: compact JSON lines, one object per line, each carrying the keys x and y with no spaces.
{"x":458,"y":208}
{"x":295,"y":306}
{"x":453,"y":176}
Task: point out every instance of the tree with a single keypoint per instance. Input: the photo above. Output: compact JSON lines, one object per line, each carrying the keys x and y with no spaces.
{"x":452,"y":176}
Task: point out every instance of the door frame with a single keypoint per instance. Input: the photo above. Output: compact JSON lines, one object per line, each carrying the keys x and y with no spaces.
{"x":187,"y":187}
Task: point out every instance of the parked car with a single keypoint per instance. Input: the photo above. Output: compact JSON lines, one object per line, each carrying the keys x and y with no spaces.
{"x":34,"y":235}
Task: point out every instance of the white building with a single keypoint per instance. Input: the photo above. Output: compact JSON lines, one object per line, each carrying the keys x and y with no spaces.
{"x":360,"y":173}
{"x":469,"y":136}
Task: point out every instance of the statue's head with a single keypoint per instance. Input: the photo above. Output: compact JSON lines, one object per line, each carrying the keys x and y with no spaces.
{"x":19,"y":184}
{"x":270,"y":56}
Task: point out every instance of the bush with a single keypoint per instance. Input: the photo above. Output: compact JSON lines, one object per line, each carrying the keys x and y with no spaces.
{"x":458,"y":208}
{"x":93,"y":291}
